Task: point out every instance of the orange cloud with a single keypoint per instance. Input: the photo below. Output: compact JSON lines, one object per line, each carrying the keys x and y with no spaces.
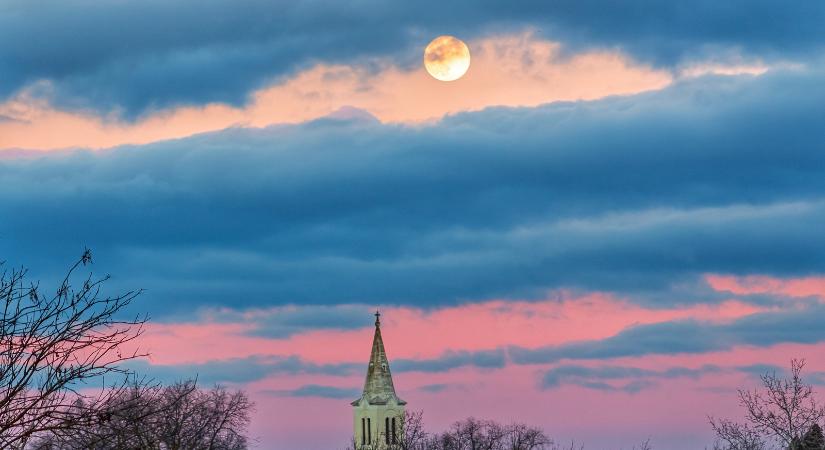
{"x":508,"y":70}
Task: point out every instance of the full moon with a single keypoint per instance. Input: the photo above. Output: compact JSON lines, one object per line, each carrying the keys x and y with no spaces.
{"x":447,"y":58}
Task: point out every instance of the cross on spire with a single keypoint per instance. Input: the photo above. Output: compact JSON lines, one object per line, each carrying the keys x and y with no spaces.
{"x":377,"y":318}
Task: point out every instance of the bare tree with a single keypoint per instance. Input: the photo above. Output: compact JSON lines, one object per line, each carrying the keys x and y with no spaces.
{"x":52,"y":347}
{"x":572,"y":446}
{"x":475,"y":434}
{"x":523,"y":437}
{"x":215,"y":419}
{"x":782,"y":410}
{"x":176,"y":417}
{"x":412,"y":435}
{"x":736,"y":436}
{"x":122,"y":423}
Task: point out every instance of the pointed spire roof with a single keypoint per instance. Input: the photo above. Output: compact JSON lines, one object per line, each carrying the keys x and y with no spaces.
{"x":378,"y":387}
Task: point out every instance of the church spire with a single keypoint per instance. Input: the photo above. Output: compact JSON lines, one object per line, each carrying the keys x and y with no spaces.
{"x":378,"y":386}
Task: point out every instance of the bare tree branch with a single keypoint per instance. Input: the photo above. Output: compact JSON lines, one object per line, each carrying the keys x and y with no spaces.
{"x":53,"y":347}
{"x":781,"y":410}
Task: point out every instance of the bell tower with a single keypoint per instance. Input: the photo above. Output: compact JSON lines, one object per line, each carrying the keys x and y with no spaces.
{"x":378,"y":412}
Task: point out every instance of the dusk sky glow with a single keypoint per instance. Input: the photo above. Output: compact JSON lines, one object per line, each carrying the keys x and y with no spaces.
{"x":605,"y":227}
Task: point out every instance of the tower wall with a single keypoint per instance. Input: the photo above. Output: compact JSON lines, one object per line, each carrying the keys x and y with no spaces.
{"x":377,"y":415}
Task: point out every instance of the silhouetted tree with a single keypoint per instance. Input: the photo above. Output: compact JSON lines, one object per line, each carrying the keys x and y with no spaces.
{"x":645,"y":445}
{"x":781,"y":410}
{"x":122,"y":423}
{"x":412,"y":435}
{"x":813,"y":439}
{"x":572,"y":446}
{"x":176,"y":417}
{"x":736,"y":436}
{"x":475,"y":434}
{"x":523,"y":437}
{"x":214,"y":419}
{"x":52,"y":346}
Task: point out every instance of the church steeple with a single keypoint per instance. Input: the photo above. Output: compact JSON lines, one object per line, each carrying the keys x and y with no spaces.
{"x":378,"y":386}
{"x":378,"y":412}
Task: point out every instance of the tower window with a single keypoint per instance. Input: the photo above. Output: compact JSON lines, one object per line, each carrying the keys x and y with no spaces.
{"x":387,"y":430}
{"x":394,"y":440}
{"x":369,"y":430}
{"x":363,"y":431}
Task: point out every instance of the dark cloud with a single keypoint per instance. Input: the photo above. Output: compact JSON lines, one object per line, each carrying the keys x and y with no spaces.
{"x":606,"y":377}
{"x":802,"y":326}
{"x":282,"y":322}
{"x":434,"y":388}
{"x":756,"y":370}
{"x":296,"y":320}
{"x":816,"y":378}
{"x":617,"y":378}
{"x":134,"y":55}
{"x":638,"y":195}
{"x":240,"y":370}
{"x":243,"y":370}
{"x":316,"y":390}
{"x":485,"y":359}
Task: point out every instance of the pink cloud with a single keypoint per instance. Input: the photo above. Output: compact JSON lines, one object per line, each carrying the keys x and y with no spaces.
{"x":418,"y":334}
{"x":760,"y":284}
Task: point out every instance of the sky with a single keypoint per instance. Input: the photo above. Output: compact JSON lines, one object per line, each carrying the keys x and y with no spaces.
{"x":606,"y":227}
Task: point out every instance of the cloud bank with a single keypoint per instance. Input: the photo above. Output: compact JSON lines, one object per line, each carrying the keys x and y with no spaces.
{"x":131,"y":57}
{"x":642,"y":194}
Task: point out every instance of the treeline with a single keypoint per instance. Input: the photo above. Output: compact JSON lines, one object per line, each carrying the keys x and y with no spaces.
{"x":473,"y":434}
